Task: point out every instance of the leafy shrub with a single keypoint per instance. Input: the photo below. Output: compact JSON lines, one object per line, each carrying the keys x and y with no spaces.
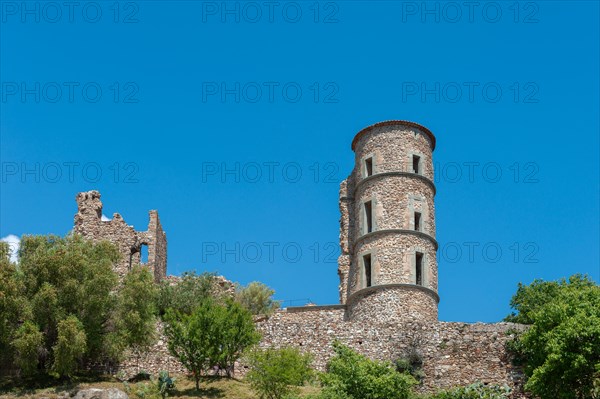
{"x":276,"y":373}
{"x":146,"y":390}
{"x":411,"y":363}
{"x":351,"y":375}
{"x":166,"y":384}
{"x":257,"y":298}
{"x":187,"y":294}
{"x":474,"y":391}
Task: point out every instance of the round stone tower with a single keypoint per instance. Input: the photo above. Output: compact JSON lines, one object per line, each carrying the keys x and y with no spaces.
{"x":388,"y":266}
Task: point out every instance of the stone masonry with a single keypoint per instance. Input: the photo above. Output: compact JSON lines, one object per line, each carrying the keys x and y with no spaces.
{"x":388,"y":273}
{"x":89,"y":224}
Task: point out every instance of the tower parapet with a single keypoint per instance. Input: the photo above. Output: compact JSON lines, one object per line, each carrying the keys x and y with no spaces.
{"x":388,"y":265}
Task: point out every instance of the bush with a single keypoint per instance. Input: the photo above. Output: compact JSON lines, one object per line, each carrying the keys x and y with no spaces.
{"x":354,"y":376}
{"x":145,"y":390}
{"x":474,"y":391}
{"x":166,"y":384}
{"x":257,"y":298}
{"x":411,"y":363}
{"x":276,"y":373}
{"x":187,"y":294}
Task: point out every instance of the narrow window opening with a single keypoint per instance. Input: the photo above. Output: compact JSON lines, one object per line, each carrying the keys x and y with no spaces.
{"x":417,"y":221}
{"x":419,"y":268}
{"x":368,"y":167}
{"x":367,"y":266}
{"x":368,"y":217}
{"x":416,"y":164}
{"x":144,"y":255}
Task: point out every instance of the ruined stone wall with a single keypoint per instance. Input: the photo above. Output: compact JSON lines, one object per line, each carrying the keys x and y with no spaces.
{"x":88,"y":223}
{"x":157,"y":247}
{"x":453,"y":353}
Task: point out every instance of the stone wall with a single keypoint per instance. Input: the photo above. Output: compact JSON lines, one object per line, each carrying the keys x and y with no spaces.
{"x":89,"y":224}
{"x":157,"y":358}
{"x":453,"y":353}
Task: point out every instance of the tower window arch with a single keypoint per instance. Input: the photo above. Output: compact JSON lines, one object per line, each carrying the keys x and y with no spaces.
{"x":367,"y":270}
{"x":418,"y":221}
{"x":419,"y":268}
{"x":419,"y":272}
{"x":368,"y":222}
{"x":368,"y":216}
{"x":417,"y":214}
{"x":416,"y":163}
{"x":368,"y":165}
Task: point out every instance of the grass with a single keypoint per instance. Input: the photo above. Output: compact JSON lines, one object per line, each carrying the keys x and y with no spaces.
{"x":210,"y":388}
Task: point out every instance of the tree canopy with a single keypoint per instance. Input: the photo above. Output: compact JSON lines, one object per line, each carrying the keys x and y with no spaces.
{"x":213,"y":335}
{"x":257,"y":298}
{"x":61,"y":305}
{"x":561,"y":349}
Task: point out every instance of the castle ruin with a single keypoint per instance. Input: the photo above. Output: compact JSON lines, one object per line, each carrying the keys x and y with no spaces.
{"x":389,"y":277}
{"x":388,"y":273}
{"x":89,"y":224}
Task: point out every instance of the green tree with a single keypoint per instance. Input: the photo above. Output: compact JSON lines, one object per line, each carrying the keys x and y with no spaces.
{"x":70,"y":346}
{"x":136,"y":309}
{"x":276,"y":373}
{"x":190,"y":339}
{"x":64,"y":296}
{"x":257,"y":298}
{"x":28,"y":343}
{"x":70,"y":276}
{"x":214,"y":335}
{"x":354,"y":376}
{"x":561,"y":348}
{"x":187,"y":294}
{"x":234,"y":332}
{"x":14,"y":307}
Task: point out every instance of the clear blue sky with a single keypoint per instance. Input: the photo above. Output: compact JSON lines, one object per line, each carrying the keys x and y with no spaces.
{"x":285,"y":87}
